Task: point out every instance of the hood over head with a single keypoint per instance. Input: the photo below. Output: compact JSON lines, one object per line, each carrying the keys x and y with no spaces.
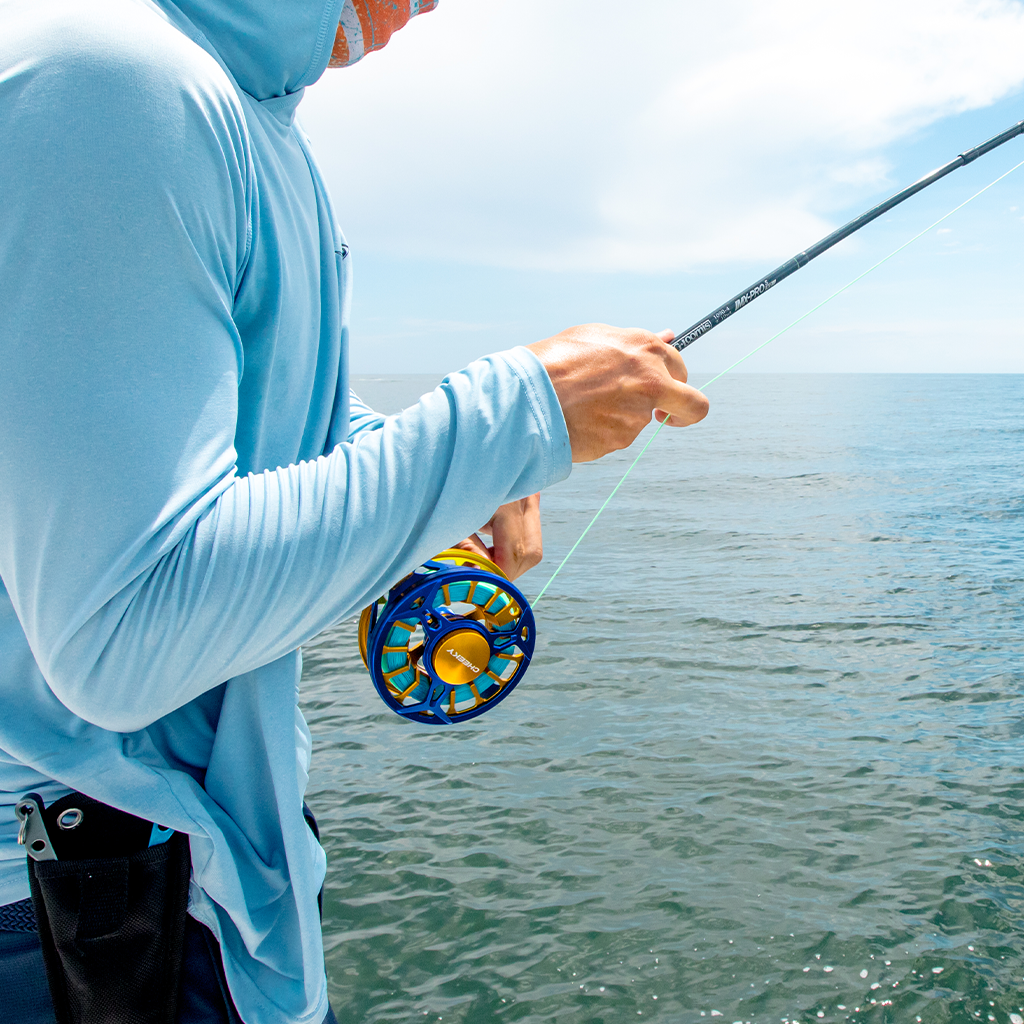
{"x":278,"y":47}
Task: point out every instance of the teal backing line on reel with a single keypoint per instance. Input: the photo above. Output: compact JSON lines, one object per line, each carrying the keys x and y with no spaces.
{"x":454,"y":638}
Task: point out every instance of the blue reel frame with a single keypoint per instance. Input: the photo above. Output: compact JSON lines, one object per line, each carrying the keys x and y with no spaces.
{"x":440,"y":612}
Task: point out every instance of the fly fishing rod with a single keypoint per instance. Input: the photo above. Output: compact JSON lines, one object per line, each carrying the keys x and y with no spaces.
{"x":455,"y":637}
{"x":756,"y":290}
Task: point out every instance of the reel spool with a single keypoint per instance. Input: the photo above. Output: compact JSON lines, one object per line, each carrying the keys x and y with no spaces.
{"x":450,"y":641}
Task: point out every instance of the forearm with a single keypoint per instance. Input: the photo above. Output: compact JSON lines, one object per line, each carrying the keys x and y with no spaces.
{"x":282,"y":555}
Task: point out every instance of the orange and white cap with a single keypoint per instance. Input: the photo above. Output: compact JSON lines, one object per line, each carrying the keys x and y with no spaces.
{"x":367,"y":25}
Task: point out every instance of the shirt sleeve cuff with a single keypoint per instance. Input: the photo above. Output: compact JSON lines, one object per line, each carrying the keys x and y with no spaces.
{"x":546,"y":409}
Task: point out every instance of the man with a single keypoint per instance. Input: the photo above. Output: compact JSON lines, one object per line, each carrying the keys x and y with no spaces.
{"x":188,"y":492}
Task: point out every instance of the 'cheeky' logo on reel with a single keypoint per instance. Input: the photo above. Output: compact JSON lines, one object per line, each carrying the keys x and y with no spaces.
{"x":465,"y":661}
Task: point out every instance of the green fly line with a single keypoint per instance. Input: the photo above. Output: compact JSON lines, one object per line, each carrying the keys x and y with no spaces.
{"x":753,"y":352}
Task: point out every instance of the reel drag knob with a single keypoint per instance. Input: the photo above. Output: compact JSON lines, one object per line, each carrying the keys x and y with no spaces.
{"x":450,"y":641}
{"x":459,"y":656}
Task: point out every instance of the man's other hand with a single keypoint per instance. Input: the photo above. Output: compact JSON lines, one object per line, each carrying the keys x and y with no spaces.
{"x":515,"y":534}
{"x":610,"y":381}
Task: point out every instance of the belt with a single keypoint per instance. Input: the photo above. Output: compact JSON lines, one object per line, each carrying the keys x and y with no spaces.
{"x":18,"y":917}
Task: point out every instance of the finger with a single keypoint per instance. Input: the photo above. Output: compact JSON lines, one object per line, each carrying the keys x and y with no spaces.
{"x":518,"y":544}
{"x":673,"y":358}
{"x":684,"y":404}
{"x":476,"y":545}
{"x":509,"y":542}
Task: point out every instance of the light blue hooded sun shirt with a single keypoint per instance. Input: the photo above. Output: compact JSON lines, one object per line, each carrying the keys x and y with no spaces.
{"x":187,"y":491}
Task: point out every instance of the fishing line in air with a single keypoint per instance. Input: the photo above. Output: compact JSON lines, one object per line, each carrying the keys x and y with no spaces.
{"x":753,"y":352}
{"x":454,"y":638}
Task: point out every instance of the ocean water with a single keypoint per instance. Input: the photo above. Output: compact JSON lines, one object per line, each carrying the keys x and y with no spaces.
{"x":767,"y":764}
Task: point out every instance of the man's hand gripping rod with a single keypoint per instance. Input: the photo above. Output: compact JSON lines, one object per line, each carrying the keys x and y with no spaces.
{"x":735,"y":304}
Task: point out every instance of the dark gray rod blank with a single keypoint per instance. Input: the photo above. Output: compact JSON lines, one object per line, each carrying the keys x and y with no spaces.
{"x":737,"y":302}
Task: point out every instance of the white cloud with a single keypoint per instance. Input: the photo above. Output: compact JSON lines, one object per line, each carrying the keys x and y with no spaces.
{"x":654,"y":135}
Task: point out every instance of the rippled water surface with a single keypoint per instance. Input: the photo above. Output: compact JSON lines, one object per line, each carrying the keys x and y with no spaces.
{"x":767,"y":764}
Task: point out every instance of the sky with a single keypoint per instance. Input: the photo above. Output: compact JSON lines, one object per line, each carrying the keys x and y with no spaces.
{"x":508,"y":168}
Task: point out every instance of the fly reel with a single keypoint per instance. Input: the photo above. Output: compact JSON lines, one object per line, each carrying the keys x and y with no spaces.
{"x":450,"y":641}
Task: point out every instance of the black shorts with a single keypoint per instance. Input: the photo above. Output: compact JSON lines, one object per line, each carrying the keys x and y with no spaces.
{"x":204,"y":995}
